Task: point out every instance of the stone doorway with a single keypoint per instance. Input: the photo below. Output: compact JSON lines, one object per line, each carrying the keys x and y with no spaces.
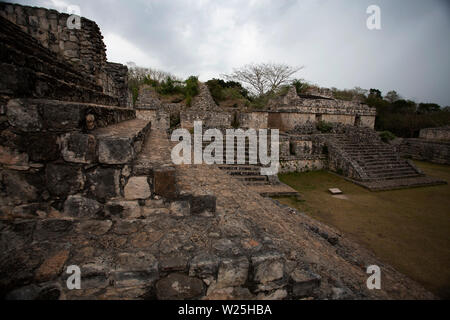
{"x":275,"y":121}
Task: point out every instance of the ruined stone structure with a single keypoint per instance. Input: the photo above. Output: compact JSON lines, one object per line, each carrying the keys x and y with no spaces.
{"x":82,"y":48}
{"x":432,"y":145}
{"x":87,"y":182}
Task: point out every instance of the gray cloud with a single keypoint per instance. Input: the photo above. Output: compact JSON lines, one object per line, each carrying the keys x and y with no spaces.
{"x":210,"y":37}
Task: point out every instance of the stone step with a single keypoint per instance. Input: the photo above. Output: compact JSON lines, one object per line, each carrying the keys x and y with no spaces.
{"x":243,"y":173}
{"x":396,"y":176}
{"x":40,"y":115}
{"x":392,"y":166}
{"x":241,"y":168}
{"x":122,"y":142}
{"x":256,"y":183}
{"x":396,"y":170}
{"x":251,"y":178}
{"x":20,"y":54}
{"x":379,"y":162}
{"x":388,"y":152}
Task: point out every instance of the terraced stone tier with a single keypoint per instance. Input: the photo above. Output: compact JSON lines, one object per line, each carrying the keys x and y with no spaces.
{"x":33,"y":71}
{"x":40,"y":115}
{"x":122,"y":142}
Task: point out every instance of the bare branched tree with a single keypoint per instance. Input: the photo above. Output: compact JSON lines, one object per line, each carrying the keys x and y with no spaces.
{"x":263,"y":77}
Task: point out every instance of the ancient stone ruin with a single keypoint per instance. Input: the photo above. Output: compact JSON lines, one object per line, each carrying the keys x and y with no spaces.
{"x":433,"y":145}
{"x":86,"y":180}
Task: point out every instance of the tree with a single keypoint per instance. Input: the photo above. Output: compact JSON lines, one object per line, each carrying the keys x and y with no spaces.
{"x":425,"y":108}
{"x":264,"y":77}
{"x":392,"y":96}
{"x":375,"y":94}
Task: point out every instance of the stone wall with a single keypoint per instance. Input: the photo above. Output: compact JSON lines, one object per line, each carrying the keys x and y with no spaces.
{"x":321,"y":108}
{"x":209,"y":119}
{"x":254,"y":120}
{"x":301,"y":153}
{"x":83,"y":48}
{"x":436,"y":133}
{"x":425,"y":150}
{"x":159,"y":118}
{"x":204,"y":101}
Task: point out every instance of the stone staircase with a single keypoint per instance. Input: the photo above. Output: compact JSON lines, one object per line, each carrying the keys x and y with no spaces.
{"x":361,"y":156}
{"x":249,"y":173}
{"x":378,"y":160}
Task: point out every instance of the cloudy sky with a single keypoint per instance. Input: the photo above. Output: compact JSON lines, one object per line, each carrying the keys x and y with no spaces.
{"x":411,"y":52}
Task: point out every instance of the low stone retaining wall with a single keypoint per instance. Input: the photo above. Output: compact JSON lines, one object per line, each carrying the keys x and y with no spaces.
{"x":425,"y":150}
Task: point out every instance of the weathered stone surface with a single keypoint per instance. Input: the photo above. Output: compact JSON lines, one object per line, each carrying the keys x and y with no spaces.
{"x":115,"y":151}
{"x":179,"y":287}
{"x":81,"y":207}
{"x":202,"y":204}
{"x":180,"y":208}
{"x":127,"y":279}
{"x":137,"y":261}
{"x":22,"y":187}
{"x":24,"y":117}
{"x":126,"y":227}
{"x":304,"y":283}
{"x":63,"y":180}
{"x":32,"y":210}
{"x":228,"y":294}
{"x":52,"y":229}
{"x":279,"y":294}
{"x":204,"y":265}
{"x":165,"y":183}
{"x":268,"y":271}
{"x":96,"y":227}
{"x":12,"y":157}
{"x":79,"y":148}
{"x":52,"y":266}
{"x":103,"y":183}
{"x":233,"y":273}
{"x":173,"y":264}
{"x":137,"y":188}
{"x":123,"y":209}
{"x":148,"y":212}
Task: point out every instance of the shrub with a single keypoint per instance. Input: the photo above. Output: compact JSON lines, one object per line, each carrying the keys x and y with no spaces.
{"x":300,"y":85}
{"x":324,"y":127}
{"x":222,"y":91}
{"x":387,"y":136}
{"x":174,"y":120}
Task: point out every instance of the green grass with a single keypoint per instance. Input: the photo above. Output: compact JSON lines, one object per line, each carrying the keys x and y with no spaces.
{"x":408,"y":229}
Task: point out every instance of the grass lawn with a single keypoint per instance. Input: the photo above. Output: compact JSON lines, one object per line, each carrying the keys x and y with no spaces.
{"x":409,"y":229}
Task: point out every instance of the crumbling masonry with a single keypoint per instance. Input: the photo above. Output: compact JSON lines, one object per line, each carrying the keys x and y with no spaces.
{"x":87,"y":181}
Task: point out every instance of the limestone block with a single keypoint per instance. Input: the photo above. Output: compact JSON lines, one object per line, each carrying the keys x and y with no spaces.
{"x":165,"y":182}
{"x":137,"y":188}
{"x":78,"y":148}
{"x":63,"y":180}
{"x":24,"y":117}
{"x":233,"y":273}
{"x":80,"y":207}
{"x":180,"y":208}
{"x":123,"y":209}
{"x":204,"y":265}
{"x":304,"y":283}
{"x":104,"y":183}
{"x":179,"y":287}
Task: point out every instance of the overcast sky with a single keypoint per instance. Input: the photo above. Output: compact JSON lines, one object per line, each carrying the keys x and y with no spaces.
{"x":330,"y":38}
